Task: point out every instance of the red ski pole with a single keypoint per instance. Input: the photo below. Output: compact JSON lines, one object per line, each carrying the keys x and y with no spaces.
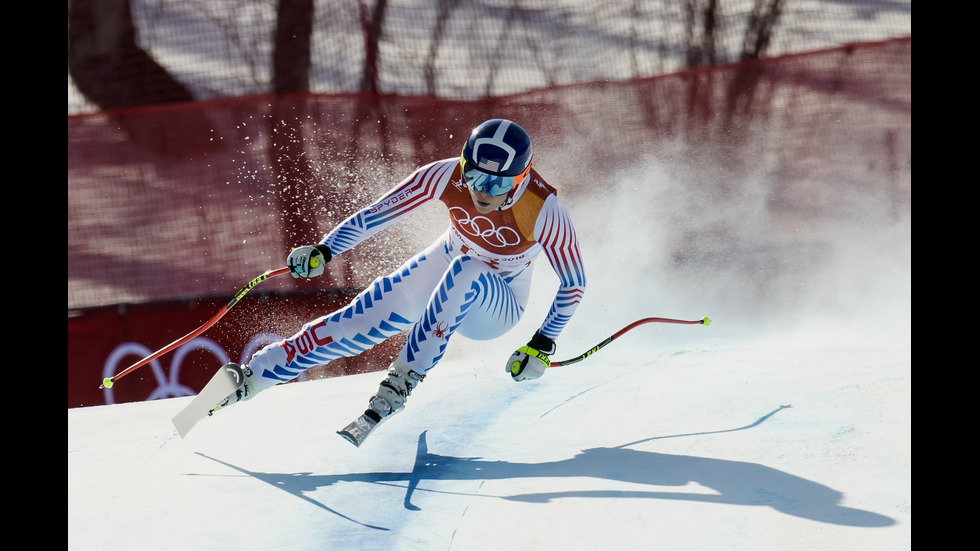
{"x":594,"y":349}
{"x":109,"y":381}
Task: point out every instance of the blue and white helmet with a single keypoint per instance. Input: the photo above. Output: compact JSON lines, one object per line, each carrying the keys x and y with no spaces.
{"x":496,"y":157}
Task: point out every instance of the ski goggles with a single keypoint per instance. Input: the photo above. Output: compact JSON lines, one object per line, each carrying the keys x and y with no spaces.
{"x":491,"y":184}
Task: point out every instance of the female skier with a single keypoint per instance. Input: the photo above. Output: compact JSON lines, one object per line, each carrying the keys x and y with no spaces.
{"x":474,"y":279}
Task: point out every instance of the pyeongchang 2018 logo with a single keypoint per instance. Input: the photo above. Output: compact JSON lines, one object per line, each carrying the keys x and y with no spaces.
{"x":483,"y":228}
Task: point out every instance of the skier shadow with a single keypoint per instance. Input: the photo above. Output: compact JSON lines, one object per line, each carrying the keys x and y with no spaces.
{"x":734,"y":482}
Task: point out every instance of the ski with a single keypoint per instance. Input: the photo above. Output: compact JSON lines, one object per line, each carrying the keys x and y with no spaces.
{"x":360,"y":428}
{"x":228,"y":379}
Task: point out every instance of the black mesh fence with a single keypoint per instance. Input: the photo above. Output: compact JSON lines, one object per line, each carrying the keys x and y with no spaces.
{"x":136,"y":52}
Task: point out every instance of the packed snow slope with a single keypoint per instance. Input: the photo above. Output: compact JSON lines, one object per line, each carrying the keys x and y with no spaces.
{"x":668,"y":441}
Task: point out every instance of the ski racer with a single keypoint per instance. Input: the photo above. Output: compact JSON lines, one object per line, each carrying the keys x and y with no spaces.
{"x":474,"y":279}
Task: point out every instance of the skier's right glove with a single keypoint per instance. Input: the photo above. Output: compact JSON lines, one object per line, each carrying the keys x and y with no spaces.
{"x":530,"y":361}
{"x":308,"y":260}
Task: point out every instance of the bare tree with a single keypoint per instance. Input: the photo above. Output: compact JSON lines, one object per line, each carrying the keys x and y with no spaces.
{"x":375,"y":24}
{"x":762,"y":22}
{"x":107,"y":64}
{"x":291,"y":55}
{"x":443,"y":13}
{"x":701,"y":27}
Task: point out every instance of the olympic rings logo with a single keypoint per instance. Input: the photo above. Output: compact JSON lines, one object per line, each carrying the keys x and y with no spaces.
{"x":482,"y":227}
{"x":168,"y":381}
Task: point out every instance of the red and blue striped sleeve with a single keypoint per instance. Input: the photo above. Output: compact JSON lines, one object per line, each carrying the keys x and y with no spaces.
{"x":422,"y":186}
{"x":556,"y":235}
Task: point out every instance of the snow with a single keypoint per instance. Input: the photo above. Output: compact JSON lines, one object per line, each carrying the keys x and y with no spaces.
{"x":798,"y":442}
{"x":739,"y":435}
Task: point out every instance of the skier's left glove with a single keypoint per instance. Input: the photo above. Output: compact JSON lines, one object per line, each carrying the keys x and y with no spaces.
{"x":530,"y":361}
{"x":308,"y":260}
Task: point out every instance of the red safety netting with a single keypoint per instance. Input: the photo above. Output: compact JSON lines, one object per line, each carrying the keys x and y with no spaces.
{"x":173,"y":207}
